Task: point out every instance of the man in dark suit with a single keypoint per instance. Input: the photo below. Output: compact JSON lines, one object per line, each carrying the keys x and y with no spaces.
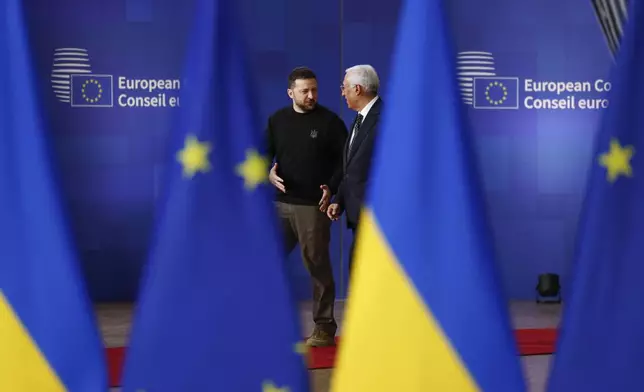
{"x":360,"y":90}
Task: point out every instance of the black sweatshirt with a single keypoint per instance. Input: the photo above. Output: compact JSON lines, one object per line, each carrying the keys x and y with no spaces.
{"x":308,"y":149}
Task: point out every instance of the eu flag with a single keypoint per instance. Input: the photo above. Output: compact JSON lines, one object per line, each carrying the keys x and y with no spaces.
{"x":601,"y":344}
{"x":425,"y":258}
{"x":216,"y":313}
{"x":48,"y":337}
{"x":496,"y":93}
{"x":90,"y":90}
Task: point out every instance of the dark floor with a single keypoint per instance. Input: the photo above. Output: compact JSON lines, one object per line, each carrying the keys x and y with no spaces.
{"x":115,"y":320}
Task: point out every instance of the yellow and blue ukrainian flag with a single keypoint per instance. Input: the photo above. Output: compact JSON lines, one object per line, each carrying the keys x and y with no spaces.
{"x":601,"y":342}
{"x":216,"y":312}
{"x":425,"y":312}
{"x":49,"y":340}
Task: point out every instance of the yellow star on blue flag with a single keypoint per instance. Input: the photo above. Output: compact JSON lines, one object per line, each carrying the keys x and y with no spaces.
{"x":49,"y":340}
{"x":617,"y":160}
{"x":193,"y":157}
{"x":217,"y":259}
{"x":600,"y":345}
{"x":270,"y":387}
{"x":301,"y":348}
{"x":254,"y":169}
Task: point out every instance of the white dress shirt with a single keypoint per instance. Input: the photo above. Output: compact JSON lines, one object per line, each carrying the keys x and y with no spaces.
{"x":363,"y":112}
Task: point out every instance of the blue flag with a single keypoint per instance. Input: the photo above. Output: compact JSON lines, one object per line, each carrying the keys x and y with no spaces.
{"x":90,"y":90}
{"x":496,"y":93}
{"x":215,"y":312}
{"x":601,"y":344}
{"x":49,"y":340}
{"x":425,"y":257}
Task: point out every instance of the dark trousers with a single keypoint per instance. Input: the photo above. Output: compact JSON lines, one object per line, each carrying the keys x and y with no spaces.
{"x":311,"y":228}
{"x":352,"y":251}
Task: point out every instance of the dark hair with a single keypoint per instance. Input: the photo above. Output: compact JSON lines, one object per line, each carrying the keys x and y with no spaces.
{"x":300,"y":73}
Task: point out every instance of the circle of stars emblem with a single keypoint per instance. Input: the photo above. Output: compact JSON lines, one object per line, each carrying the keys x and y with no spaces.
{"x":496,"y":88}
{"x":92,"y":84}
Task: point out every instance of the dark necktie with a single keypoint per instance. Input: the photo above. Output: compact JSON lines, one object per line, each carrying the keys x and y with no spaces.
{"x":356,"y":127}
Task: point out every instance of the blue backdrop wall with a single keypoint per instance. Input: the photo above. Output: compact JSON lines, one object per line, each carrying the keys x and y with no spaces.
{"x":111,"y":158}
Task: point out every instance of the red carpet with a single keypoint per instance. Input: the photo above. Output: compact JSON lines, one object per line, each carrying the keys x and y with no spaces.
{"x":530,"y":342}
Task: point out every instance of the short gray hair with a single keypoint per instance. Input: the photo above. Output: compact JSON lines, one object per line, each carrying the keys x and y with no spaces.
{"x":364,"y":75}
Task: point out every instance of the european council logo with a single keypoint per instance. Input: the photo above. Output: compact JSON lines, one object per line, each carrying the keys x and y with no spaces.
{"x":612,"y":15}
{"x":470,"y":65}
{"x":91,"y":90}
{"x":496,"y":93}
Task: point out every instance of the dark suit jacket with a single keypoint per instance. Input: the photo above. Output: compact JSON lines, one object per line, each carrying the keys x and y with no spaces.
{"x":357,"y":165}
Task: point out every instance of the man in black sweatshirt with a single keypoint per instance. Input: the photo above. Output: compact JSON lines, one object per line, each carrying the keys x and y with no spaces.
{"x":306,"y":141}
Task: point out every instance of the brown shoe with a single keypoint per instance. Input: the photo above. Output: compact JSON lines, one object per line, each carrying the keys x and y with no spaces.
{"x":320,"y":338}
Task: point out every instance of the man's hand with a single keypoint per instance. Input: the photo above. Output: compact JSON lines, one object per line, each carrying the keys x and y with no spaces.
{"x":275,"y":179}
{"x":334,"y":211}
{"x":326,"y":198}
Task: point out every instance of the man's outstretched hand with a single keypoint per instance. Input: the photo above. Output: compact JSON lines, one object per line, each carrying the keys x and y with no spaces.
{"x":275,"y":179}
{"x":326,"y":198}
